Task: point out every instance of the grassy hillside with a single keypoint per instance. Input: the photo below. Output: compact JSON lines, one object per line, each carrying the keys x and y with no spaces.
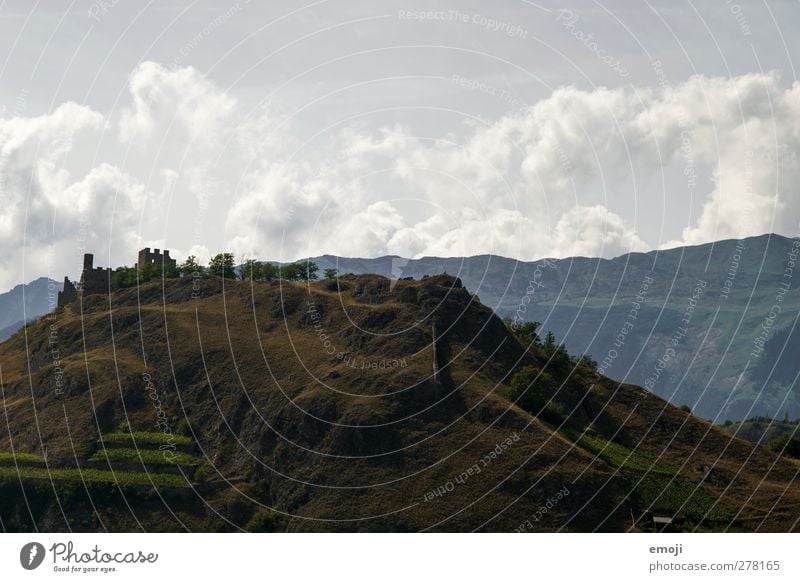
{"x":350,"y":405}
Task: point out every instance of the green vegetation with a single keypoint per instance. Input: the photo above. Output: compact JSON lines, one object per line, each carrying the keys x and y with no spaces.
{"x":330,"y":274}
{"x":531,"y":389}
{"x":785,"y":444}
{"x":222,"y":265}
{"x":123,"y":477}
{"x":656,"y":484}
{"x":525,"y":331}
{"x":182,"y":427}
{"x":204,"y":472}
{"x":24,"y":457}
{"x":266,"y":521}
{"x":678,"y":496}
{"x":556,"y":353}
{"x":190,"y":267}
{"x":770,"y":420}
{"x":300,"y":271}
{"x":149,"y":456}
{"x":253,"y":270}
{"x":620,"y":456}
{"x":125,"y":277}
{"x":151,"y":438}
{"x":585,"y":360}
{"x":560,"y":362}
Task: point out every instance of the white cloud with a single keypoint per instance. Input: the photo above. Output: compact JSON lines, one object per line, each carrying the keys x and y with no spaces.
{"x":180,"y":103}
{"x":573,"y":174}
{"x":48,"y":213}
{"x":592,"y":231}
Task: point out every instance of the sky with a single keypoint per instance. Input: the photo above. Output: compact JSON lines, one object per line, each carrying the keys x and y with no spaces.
{"x":280,"y":130}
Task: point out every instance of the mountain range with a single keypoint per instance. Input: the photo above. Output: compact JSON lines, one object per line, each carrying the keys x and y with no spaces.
{"x":26,"y":302}
{"x":696,"y":325}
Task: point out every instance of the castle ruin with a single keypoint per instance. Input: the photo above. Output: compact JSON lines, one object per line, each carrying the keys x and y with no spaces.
{"x":99,"y":280}
{"x":94,"y":279}
{"x":154,"y":258}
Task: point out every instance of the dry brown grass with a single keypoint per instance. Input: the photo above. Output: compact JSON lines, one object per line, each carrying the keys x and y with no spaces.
{"x":270,"y":408}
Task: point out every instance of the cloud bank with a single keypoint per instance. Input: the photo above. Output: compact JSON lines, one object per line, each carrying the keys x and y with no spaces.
{"x":189,"y":165}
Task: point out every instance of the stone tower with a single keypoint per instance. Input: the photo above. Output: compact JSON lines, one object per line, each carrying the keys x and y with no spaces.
{"x":94,"y":280}
{"x":154,"y":258}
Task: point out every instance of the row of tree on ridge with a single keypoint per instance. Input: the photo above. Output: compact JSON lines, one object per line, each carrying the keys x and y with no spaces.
{"x":222,"y":265}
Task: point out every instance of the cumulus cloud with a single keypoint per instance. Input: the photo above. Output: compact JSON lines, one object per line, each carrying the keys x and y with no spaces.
{"x":592,"y":231}
{"x":50,"y":208}
{"x":201,"y":171}
{"x":551,"y":180}
{"x":181,"y":102}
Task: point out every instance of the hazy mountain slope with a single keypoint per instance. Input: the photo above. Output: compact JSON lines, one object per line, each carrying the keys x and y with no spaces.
{"x":588,"y":303}
{"x":370,"y":439}
{"x":26,"y":302}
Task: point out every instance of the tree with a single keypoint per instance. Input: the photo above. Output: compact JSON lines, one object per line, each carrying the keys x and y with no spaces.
{"x":222,"y":265}
{"x":586,"y":360}
{"x":250,"y":270}
{"x":550,"y":344}
{"x":156,"y":271}
{"x":311,"y":269}
{"x":268,"y":272}
{"x":526,"y":331}
{"x":300,"y":271}
{"x":331,"y":274}
{"x":124,"y":277}
{"x":785,"y":444}
{"x":190,"y":267}
{"x":530,"y":387}
{"x":266,"y":521}
{"x":291,"y":272}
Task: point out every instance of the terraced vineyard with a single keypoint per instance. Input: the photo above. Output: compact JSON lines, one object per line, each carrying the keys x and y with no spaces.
{"x":142,"y":464}
{"x":654,"y":483}
{"x":147,"y":438}
{"x":145,"y":456}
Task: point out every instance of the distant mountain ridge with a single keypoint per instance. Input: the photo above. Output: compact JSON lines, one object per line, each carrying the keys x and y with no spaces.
{"x":26,"y":302}
{"x":696,"y":337}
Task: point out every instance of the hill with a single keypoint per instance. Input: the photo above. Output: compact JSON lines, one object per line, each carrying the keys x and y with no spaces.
{"x":761,"y":430}
{"x":350,"y":405}
{"x":696,"y":325}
